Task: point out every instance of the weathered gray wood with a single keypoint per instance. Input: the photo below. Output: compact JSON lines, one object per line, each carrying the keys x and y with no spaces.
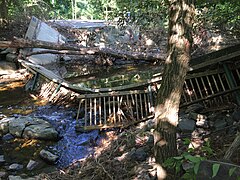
{"x":114,"y":93}
{"x":53,"y":77}
{"x":76,"y":52}
{"x":100,"y":109}
{"x":216,"y":60}
{"x":233,"y":148}
{"x":211,"y":96}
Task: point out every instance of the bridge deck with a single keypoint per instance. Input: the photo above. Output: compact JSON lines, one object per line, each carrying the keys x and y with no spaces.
{"x":214,"y":80}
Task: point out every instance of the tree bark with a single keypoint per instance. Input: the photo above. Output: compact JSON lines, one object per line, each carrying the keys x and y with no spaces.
{"x":181,"y":13}
{"x":3,"y":10}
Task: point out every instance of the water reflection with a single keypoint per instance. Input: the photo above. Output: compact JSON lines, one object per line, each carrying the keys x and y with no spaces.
{"x":116,"y":76}
{"x":87,"y":75}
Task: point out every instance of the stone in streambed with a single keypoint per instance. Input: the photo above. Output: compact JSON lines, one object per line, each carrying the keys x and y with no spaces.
{"x":48,"y":156}
{"x":28,"y":127}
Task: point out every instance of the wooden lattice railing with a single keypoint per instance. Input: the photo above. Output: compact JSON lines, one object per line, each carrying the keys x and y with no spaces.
{"x":115,"y":109}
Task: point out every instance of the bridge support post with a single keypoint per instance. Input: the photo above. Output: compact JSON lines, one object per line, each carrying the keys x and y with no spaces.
{"x":35,"y":81}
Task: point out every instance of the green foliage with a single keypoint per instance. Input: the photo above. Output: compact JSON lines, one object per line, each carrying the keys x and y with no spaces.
{"x":192,"y":161}
{"x":231,"y":171}
{"x":22,"y":10}
{"x":215,"y":169}
{"x":185,"y":158}
{"x":223,"y":14}
{"x":206,"y":149}
{"x":61,"y":9}
{"x":145,"y":13}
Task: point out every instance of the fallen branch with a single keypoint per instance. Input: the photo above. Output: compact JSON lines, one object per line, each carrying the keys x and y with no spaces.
{"x":99,"y":164}
{"x":55,"y":48}
{"x":82,"y":52}
{"x":233,"y":148}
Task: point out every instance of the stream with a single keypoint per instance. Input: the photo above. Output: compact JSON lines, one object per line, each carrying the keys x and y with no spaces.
{"x":15,"y":101}
{"x":71,"y":147}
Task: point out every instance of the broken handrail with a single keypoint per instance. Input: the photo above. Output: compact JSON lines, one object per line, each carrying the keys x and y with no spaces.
{"x":55,"y":78}
{"x":215,"y":57}
{"x":52,"y":76}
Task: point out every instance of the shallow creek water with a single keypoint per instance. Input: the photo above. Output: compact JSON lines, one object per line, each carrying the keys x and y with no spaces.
{"x":72,"y":146}
{"x":15,"y":101}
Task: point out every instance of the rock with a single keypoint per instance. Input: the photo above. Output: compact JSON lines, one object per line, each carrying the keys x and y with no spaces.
{"x":205,"y":170}
{"x":48,"y":156}
{"x":219,"y":124}
{"x":201,"y":120}
{"x":197,"y":116}
{"x":150,"y":141}
{"x":15,"y":167}
{"x":17,"y":125}
{"x":9,"y":50}
{"x":31,"y":165}
{"x":4,"y":125}
{"x":139,"y":154}
{"x":3,"y":175}
{"x":2,"y":160}
{"x":43,"y":131}
{"x":236,"y":114}
{"x":66,"y":58}
{"x":11,"y":177}
{"x":194,"y":108}
{"x":7,"y":137}
{"x":11,"y":57}
{"x":202,"y":124}
{"x":185,"y":124}
{"x":35,"y":128}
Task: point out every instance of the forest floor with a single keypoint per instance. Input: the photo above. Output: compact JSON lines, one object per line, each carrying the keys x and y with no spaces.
{"x":128,"y":153}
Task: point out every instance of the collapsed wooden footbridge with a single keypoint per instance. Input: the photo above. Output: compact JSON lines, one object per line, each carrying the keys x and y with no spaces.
{"x":213,"y":79}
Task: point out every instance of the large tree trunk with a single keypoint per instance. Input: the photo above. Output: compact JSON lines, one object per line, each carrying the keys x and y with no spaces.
{"x":181,"y":13}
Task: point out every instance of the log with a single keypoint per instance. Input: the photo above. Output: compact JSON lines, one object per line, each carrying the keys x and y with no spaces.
{"x":82,"y":52}
{"x":55,"y":48}
{"x":24,"y":43}
{"x":233,"y":148}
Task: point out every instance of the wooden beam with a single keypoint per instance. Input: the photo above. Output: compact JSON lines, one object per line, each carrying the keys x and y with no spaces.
{"x":211,"y":61}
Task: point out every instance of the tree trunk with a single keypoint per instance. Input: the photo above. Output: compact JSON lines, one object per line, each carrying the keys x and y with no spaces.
{"x":3,"y":10}
{"x":181,"y":13}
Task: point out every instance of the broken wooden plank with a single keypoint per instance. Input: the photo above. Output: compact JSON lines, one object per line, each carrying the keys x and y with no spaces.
{"x":53,"y":77}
